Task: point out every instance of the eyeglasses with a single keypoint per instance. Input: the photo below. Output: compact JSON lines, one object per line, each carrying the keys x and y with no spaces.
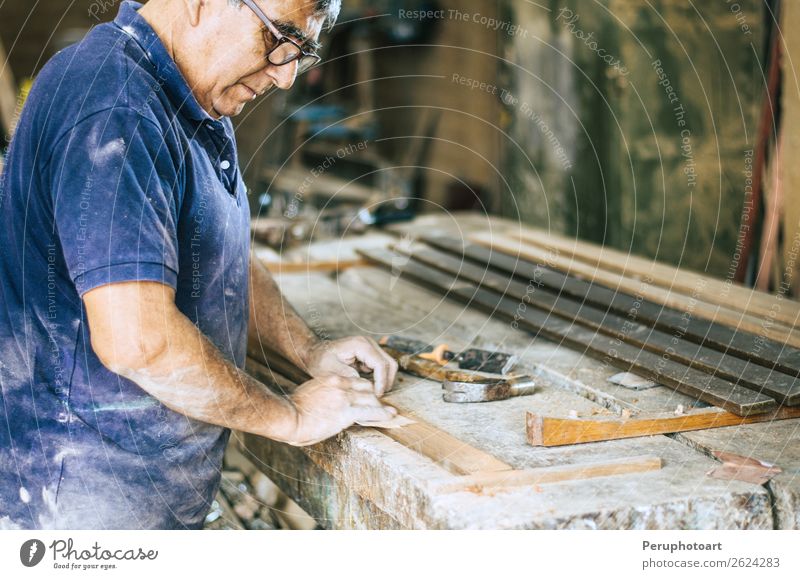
{"x":285,"y":50}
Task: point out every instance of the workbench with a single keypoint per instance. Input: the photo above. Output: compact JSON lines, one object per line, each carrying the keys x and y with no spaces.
{"x":363,"y":479}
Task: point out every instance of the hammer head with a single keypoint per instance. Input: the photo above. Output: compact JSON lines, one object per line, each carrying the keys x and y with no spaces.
{"x":463,"y":392}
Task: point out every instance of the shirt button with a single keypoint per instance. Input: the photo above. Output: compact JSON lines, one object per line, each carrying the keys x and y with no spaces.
{"x":225,"y":165}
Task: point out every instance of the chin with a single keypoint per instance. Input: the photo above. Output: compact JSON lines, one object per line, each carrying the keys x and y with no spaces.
{"x":228,"y":108}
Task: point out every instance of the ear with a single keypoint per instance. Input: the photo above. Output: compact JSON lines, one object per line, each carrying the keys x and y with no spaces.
{"x":193,"y":7}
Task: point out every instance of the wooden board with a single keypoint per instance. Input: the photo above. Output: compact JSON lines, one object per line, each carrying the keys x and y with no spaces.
{"x":698,"y":309}
{"x":552,"y":431}
{"x":783,"y":387}
{"x":705,"y":387}
{"x":284,"y":267}
{"x":757,"y":349}
{"x":724,"y":293}
{"x":445,"y":450}
{"x":481,"y":481}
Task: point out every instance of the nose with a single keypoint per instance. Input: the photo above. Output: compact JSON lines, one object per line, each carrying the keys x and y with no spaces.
{"x":283,"y":76}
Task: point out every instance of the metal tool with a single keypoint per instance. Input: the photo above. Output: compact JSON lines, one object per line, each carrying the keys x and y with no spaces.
{"x":470,"y":359}
{"x":431,"y":370}
{"x":463,"y":392}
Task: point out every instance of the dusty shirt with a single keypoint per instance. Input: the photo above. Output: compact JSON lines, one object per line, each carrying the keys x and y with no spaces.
{"x":115,"y":174}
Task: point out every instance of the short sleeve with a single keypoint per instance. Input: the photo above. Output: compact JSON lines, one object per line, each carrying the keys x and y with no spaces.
{"x":115,"y":200}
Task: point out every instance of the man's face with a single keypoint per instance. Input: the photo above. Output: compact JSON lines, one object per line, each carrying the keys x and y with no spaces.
{"x":231,"y":68}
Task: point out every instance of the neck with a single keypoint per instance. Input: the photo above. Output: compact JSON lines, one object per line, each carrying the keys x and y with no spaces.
{"x":159,"y":14}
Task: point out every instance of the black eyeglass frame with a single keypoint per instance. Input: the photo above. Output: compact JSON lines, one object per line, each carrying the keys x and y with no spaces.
{"x":282,"y":39}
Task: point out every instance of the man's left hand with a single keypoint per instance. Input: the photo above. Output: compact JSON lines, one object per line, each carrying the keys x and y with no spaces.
{"x":349,"y":356}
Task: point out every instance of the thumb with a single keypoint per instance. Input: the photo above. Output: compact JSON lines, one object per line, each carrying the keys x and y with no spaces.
{"x":342,"y":369}
{"x":364,"y":415}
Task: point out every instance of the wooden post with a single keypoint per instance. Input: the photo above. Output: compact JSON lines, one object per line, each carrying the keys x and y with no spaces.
{"x":8,"y":94}
{"x":789,"y":171}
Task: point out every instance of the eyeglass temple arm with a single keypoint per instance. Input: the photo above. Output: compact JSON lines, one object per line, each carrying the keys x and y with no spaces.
{"x":272,"y":28}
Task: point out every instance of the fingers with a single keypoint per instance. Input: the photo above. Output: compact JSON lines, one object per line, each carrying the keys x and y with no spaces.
{"x":342,"y":369}
{"x":383,"y":366}
{"x":360,"y":385}
{"x":373,"y":414}
{"x":393,"y":368}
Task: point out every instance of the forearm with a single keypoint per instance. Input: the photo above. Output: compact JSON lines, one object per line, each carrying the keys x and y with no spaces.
{"x":137,"y":332}
{"x":190,"y":376}
{"x":274,"y":323}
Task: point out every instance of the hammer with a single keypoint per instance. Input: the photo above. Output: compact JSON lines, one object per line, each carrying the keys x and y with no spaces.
{"x":487,"y":391}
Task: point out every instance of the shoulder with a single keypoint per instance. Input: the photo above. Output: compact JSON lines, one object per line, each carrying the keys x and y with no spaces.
{"x":106,"y":70}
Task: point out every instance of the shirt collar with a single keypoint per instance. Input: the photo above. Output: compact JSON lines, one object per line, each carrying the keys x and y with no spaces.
{"x":129,"y":21}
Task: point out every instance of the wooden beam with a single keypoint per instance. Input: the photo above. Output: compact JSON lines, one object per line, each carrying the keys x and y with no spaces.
{"x":8,"y":93}
{"x":480,"y":481}
{"x":783,"y":387}
{"x":697,"y":308}
{"x":444,"y":449}
{"x":756,"y":348}
{"x":550,"y":431}
{"x":710,"y":290}
{"x":287,"y":267}
{"x":689,"y":381}
{"x":447,"y":451}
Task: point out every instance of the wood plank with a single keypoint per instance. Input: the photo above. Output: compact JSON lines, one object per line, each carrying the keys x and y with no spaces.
{"x":480,"y":481}
{"x":553,"y":431}
{"x":734,"y":398}
{"x":284,"y":267}
{"x":447,"y":451}
{"x":783,"y":387}
{"x":444,"y":449}
{"x":756,"y":348}
{"x":323,"y":185}
{"x":698,"y":309}
{"x":724,"y":293}
{"x":8,"y":94}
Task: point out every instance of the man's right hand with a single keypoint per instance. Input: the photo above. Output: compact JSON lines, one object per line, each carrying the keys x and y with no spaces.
{"x":327,"y":405}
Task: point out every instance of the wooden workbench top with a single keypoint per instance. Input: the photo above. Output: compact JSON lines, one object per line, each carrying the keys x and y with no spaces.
{"x":364,"y":479}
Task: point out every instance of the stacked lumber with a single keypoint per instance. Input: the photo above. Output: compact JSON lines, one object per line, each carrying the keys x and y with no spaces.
{"x":726,"y":345}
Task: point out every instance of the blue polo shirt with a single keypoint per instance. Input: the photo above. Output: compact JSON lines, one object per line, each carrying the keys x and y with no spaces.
{"x":115,"y":174}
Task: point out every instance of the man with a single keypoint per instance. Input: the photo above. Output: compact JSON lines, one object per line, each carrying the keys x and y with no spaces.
{"x":125,"y":271}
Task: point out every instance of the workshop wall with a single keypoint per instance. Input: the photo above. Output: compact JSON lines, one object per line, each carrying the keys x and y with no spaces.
{"x":437,"y":76}
{"x":34,"y":32}
{"x":653,"y":111}
{"x":538,"y":120}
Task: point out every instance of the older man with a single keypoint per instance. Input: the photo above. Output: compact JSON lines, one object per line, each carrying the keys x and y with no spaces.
{"x":125,"y":273}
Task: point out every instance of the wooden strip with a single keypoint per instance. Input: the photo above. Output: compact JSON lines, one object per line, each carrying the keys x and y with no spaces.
{"x":757,"y":349}
{"x":452,"y":454}
{"x":284,"y":267}
{"x":783,"y":387}
{"x":729,"y":294}
{"x":689,"y":381}
{"x":480,"y":481}
{"x":444,"y":449}
{"x":698,"y":309}
{"x":549,"y":431}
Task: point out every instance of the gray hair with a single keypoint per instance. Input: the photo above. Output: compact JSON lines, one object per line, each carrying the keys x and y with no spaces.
{"x":327,"y":8}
